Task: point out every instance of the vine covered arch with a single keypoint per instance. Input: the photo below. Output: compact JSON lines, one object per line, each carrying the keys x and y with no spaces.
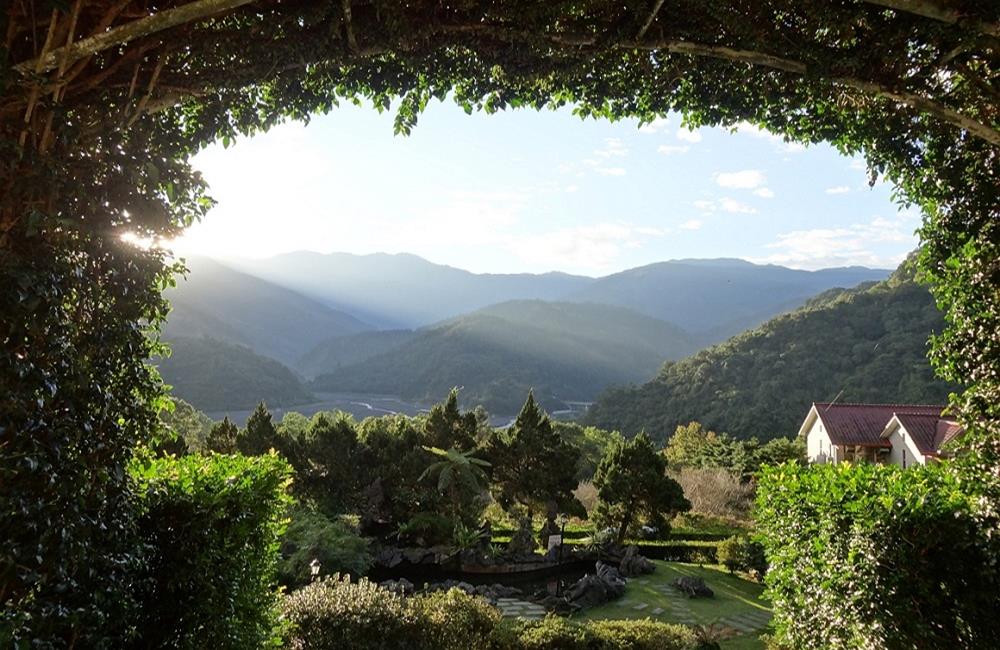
{"x":102,"y":102}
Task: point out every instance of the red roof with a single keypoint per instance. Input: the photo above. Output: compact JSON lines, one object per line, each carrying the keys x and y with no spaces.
{"x":929,"y":432}
{"x":862,"y":424}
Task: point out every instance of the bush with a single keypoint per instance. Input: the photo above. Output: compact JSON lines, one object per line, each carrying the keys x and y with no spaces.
{"x":555,"y":633}
{"x":870,"y":556}
{"x":453,"y":620}
{"x":716,"y":492}
{"x":208,"y":528}
{"x":334,"y":613}
{"x":337,"y":614}
{"x":739,"y":553}
{"x":334,"y":543}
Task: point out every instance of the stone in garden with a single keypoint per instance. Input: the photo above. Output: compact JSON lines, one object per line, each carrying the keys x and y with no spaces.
{"x":693,"y":587}
{"x":633,"y":564}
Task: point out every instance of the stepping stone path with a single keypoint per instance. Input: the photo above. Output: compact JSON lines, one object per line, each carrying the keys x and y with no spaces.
{"x":517,"y":608}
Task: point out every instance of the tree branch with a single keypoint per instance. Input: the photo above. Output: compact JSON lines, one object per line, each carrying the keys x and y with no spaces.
{"x":128,"y":32}
{"x":649,"y":20}
{"x":942,"y":13}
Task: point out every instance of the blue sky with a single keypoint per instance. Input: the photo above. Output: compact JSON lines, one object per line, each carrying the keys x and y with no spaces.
{"x":540,"y":191}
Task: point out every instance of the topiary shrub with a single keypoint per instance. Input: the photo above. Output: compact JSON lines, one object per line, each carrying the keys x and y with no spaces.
{"x":739,"y":553}
{"x":208,"y":528}
{"x":643,"y":634}
{"x":334,"y":543}
{"x":335,"y":613}
{"x":870,"y":556}
{"x":555,"y":633}
{"x":454,"y":620}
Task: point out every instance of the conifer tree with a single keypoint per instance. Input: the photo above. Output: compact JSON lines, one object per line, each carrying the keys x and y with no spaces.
{"x":447,"y":427}
{"x":222,"y":437}
{"x":259,"y":435}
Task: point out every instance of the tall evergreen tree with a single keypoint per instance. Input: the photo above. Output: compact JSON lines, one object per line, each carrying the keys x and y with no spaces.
{"x":222,"y":437}
{"x":533,"y":466}
{"x":632,"y":485}
{"x":447,"y":427}
{"x":259,"y":435}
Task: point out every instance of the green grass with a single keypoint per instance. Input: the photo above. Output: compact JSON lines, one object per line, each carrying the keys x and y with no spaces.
{"x":733,"y":596}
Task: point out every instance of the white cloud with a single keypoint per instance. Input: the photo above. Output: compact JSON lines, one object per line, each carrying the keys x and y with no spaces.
{"x":611,"y":171}
{"x":742,"y":180}
{"x":778,"y":141}
{"x":670,"y":149}
{"x":693,"y":137}
{"x":571,"y":188}
{"x":589,"y":248}
{"x":731,"y":205}
{"x":691,"y":224}
{"x":856,"y":244}
{"x":724,"y":204}
{"x":764,"y":193}
{"x":613,"y":148}
{"x":840,"y":189}
{"x":655,"y":126}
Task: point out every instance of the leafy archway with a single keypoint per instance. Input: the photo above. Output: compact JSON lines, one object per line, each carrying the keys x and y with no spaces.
{"x":103,"y":101}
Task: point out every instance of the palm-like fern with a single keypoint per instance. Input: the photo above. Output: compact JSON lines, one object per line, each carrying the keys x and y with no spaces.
{"x":456,"y":470}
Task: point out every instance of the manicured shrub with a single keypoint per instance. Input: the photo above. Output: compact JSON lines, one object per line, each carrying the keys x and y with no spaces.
{"x":454,"y":620}
{"x":335,"y":613}
{"x":740,"y":553}
{"x":334,"y":543}
{"x":644,"y":634}
{"x":208,"y":529}
{"x":870,"y":556}
{"x":550,"y":633}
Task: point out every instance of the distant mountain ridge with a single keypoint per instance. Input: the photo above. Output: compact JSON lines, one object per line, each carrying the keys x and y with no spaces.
{"x":714,"y":298}
{"x":565,"y":351}
{"x":867,"y":344}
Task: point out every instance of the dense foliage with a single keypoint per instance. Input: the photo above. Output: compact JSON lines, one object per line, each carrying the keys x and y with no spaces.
{"x":217,"y":376}
{"x":337,"y":614}
{"x":102,"y":103}
{"x":871,"y":556}
{"x":208,"y":531}
{"x":633,"y":487}
{"x":333,"y":542}
{"x":564,"y":351}
{"x":693,"y":446}
{"x":864,"y":345}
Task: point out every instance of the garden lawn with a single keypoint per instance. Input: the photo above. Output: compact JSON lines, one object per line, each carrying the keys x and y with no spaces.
{"x":738,"y":604}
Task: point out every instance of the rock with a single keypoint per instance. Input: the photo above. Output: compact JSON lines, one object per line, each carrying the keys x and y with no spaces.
{"x":693,"y":587}
{"x":388,"y":557}
{"x":632,"y":564}
{"x":403,"y":587}
{"x":591,"y":590}
{"x":522,"y":542}
{"x":416,"y":555}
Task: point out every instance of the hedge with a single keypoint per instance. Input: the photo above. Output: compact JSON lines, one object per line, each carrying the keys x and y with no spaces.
{"x":871,"y":556}
{"x":208,"y":528}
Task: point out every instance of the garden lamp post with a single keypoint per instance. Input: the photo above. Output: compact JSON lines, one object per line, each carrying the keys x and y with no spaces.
{"x":314,"y":568}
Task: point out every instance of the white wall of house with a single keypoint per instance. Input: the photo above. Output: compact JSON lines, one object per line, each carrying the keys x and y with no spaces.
{"x":819,"y":449}
{"x":904,"y":449}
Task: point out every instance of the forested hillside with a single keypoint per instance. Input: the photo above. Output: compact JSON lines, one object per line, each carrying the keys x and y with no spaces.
{"x":216,"y":376}
{"x":342,"y":351}
{"x":865,"y":345}
{"x":219,"y":302}
{"x":564,"y":351}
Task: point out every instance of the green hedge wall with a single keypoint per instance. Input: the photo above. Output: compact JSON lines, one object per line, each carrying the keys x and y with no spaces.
{"x":870,"y":556}
{"x":209,"y":528}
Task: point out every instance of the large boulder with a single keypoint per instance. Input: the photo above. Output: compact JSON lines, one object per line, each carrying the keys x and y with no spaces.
{"x":591,"y":590}
{"x":693,"y":587}
{"x":632,"y":564}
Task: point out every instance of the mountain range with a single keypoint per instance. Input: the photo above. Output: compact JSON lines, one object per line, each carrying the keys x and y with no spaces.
{"x":401,"y":325}
{"x":867,"y":344}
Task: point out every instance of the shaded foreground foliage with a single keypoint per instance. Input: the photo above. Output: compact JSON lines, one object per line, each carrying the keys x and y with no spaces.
{"x":96,"y":133}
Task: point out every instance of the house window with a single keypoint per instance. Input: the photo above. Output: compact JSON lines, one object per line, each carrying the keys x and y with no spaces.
{"x":904,"y":459}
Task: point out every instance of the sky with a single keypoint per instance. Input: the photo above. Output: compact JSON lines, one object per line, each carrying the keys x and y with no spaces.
{"x":526,"y":191}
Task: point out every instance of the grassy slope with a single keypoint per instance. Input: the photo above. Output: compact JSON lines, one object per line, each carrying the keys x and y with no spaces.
{"x":733,"y":596}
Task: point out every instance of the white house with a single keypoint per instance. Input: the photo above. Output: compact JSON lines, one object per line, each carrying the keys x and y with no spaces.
{"x":901,"y":434}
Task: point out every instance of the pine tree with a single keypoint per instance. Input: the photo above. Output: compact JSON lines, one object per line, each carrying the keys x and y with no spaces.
{"x":222,"y":437}
{"x":260,"y":434}
{"x":632,"y":484}
{"x":447,"y":427}
{"x":533,"y":466}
